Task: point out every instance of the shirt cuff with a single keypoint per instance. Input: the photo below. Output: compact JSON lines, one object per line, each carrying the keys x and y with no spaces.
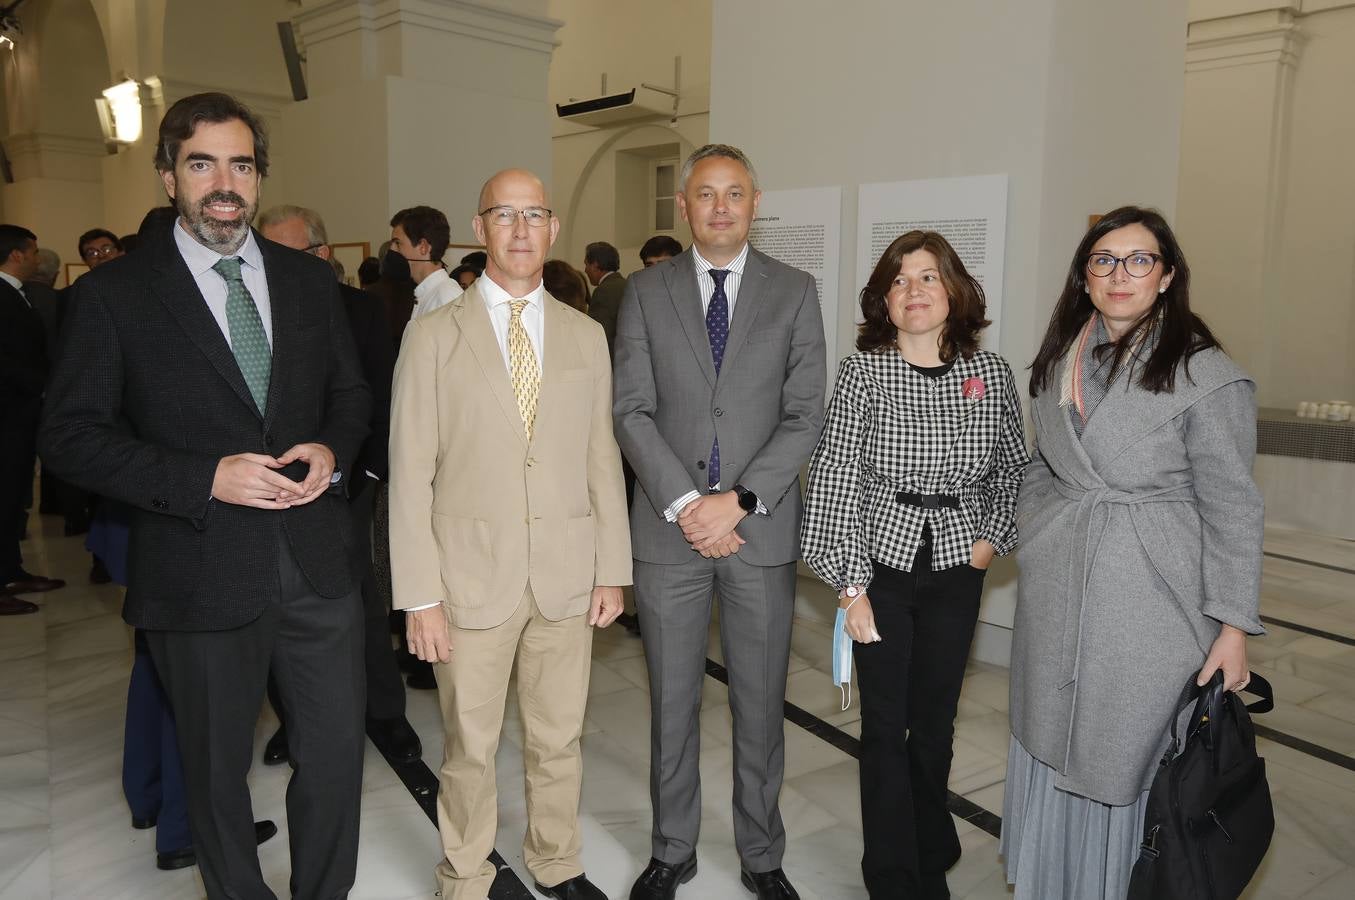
{"x":677,"y":506}
{"x":425,"y":606}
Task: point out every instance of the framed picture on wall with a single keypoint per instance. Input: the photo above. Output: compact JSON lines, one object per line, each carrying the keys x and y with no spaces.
{"x":350,"y":255}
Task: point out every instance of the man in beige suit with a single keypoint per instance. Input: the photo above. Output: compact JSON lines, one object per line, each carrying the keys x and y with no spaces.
{"x":508,"y":533}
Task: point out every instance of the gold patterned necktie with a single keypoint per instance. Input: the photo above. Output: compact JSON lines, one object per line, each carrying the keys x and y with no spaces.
{"x":522,"y":359}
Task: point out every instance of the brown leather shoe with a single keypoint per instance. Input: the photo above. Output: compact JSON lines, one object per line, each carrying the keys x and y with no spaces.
{"x":22,"y":582}
{"x":13,"y":606}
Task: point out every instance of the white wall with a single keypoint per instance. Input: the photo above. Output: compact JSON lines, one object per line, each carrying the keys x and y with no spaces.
{"x":1040,"y":90}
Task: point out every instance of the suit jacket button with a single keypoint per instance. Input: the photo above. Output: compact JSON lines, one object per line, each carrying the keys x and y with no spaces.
{"x":719,"y":411}
{"x":268,"y":440}
{"x":531,"y":461}
{"x":700,"y":463}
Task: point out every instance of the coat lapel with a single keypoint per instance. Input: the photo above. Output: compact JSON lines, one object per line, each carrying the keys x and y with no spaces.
{"x":752,"y":293}
{"x":284,"y":296}
{"x":1058,"y":442}
{"x":472,"y":318}
{"x":680,"y":277}
{"x":173,"y":284}
{"x":561,"y":354}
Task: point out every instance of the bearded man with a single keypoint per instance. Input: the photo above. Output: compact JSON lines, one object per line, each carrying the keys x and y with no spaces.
{"x":209,"y":381}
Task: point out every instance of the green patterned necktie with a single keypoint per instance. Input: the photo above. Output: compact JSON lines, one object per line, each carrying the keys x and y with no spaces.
{"x":249,"y":343}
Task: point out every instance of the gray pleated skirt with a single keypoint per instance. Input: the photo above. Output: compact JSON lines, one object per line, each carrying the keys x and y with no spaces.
{"x":1059,"y":846}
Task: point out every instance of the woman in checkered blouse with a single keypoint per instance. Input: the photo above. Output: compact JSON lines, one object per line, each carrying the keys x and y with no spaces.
{"x":912,"y":492}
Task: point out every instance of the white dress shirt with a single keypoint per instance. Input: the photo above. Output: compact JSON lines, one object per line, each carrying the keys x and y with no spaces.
{"x":200,"y":260}
{"x":18,"y":286}
{"x":706,"y":284}
{"x":497,"y":302}
{"x":437,"y":290}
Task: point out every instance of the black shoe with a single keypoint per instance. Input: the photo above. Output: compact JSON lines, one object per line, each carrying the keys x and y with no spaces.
{"x":421,"y":677}
{"x":395,"y":738}
{"x":660,"y":880}
{"x":13,"y":606}
{"x":182,"y":859}
{"x":141,"y":824}
{"x":21,"y":582}
{"x":771,"y":885}
{"x":576,"y":888}
{"x":98,"y":572}
{"x":275,"y":751}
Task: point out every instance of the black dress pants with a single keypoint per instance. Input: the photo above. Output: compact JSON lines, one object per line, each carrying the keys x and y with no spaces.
{"x":910,"y":687}
{"x":215,"y":681}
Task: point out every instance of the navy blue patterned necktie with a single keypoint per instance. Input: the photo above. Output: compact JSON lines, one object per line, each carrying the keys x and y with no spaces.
{"x":717,"y":329}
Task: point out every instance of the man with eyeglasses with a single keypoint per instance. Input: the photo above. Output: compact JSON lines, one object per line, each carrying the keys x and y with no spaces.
{"x":98,"y":246}
{"x":419,"y":237}
{"x":509,"y":541}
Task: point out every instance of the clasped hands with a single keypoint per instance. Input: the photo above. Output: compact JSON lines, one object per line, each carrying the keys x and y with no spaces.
{"x":708,"y":524}
{"x":252,"y":479}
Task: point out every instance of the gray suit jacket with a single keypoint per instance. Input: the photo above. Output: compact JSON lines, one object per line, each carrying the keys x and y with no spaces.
{"x":605,"y":305}
{"x":766,"y":405}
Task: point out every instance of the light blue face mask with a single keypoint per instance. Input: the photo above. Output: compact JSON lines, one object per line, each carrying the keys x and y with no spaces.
{"x":842,"y":654}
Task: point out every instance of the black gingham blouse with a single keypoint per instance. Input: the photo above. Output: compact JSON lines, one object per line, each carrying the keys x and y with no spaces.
{"x":890,"y":429}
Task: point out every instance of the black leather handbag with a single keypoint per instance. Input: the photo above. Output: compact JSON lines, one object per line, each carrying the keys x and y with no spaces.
{"x":1209,"y":818}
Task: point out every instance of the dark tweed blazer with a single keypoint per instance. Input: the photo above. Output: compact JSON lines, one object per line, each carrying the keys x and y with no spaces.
{"x":146,"y":398}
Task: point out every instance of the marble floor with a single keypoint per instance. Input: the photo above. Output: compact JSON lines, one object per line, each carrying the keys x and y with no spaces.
{"x":64,"y":829}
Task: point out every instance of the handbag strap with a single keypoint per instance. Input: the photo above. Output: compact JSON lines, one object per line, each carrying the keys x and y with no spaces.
{"x":1256,"y":685}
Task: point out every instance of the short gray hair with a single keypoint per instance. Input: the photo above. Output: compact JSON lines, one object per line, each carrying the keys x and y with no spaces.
{"x":49,"y":264}
{"x":315,"y":226}
{"x":724,"y":150}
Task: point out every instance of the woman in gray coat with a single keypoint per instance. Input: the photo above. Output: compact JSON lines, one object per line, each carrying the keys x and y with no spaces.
{"x":1140,"y":554}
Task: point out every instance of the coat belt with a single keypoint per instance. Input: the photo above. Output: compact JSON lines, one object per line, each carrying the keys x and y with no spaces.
{"x":1089,"y":503}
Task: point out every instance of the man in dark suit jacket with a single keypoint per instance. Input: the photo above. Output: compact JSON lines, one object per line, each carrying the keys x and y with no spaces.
{"x":210,"y":382}
{"x":600,"y":263}
{"x":303,"y":229}
{"x":23,"y":369}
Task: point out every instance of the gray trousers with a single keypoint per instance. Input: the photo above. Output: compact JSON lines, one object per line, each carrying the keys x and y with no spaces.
{"x":756,"y":604}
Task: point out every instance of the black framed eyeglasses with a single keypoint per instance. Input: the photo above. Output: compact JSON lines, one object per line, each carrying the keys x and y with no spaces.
{"x":1139,"y":265}
{"x":100,"y":252}
{"x":507,"y":216}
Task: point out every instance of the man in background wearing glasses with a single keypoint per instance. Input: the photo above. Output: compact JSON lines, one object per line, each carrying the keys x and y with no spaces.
{"x":509,"y":539}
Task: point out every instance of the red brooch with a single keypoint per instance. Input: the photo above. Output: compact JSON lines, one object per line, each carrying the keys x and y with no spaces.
{"x":973,"y":389}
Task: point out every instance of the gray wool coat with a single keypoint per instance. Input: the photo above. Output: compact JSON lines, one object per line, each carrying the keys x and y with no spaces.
{"x":1136,"y":542}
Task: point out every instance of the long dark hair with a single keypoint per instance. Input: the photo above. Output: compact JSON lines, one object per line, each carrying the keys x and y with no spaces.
{"x":964,"y":321}
{"x":1180,"y":333}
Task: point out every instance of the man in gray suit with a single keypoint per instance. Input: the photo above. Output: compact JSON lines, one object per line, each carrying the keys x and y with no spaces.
{"x":719,"y":402}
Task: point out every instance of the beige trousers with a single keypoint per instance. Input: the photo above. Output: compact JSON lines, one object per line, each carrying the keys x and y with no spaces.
{"x":553,"y":660}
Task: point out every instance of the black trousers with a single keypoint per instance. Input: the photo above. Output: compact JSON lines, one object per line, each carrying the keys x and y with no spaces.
{"x":910,"y":687}
{"x":215,"y":681}
{"x":18,"y":431}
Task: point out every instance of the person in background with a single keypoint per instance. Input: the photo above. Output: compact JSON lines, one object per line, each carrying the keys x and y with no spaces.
{"x":508,"y":536}
{"x":302,"y":229}
{"x":912,"y":492}
{"x":600,"y":264}
{"x":419,"y":237}
{"x":1140,"y":557}
{"x":718,"y":425}
{"x":477,"y":260}
{"x":465,"y":276}
{"x":23,"y":372}
{"x":658,"y":248}
{"x":566,"y":284}
{"x":369,"y":270}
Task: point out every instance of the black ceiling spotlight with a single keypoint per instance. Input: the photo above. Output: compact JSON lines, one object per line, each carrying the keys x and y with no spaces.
{"x":10,"y":26}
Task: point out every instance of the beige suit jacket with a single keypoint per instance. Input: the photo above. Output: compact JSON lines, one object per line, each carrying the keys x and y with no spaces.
{"x":477,"y":513}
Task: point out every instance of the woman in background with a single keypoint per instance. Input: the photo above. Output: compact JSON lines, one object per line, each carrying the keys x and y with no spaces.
{"x":1140,"y":554}
{"x":566,"y":284}
{"x":912,"y":492}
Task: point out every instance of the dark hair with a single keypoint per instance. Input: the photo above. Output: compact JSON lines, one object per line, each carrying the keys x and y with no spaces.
{"x":424,"y":223}
{"x":369,"y":270}
{"x":476,"y":259}
{"x":603,"y":255}
{"x":565,"y":283}
{"x":456,"y":273}
{"x":129,"y":242}
{"x":93,"y":235}
{"x":659,"y":245}
{"x":184,"y":117}
{"x":964,"y":321}
{"x":1180,"y":333}
{"x":14,"y":237}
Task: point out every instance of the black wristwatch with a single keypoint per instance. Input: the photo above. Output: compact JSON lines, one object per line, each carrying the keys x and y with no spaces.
{"x":747,"y":499}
